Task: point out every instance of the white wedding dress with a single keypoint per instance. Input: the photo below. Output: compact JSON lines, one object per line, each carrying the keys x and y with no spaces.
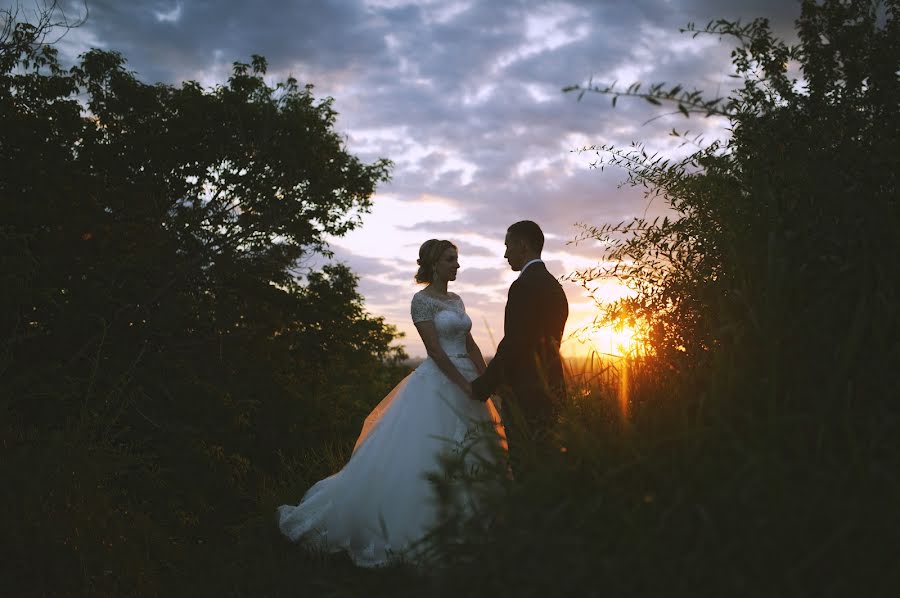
{"x":380,"y":505}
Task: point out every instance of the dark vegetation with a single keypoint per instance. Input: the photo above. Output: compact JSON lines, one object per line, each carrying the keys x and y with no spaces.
{"x":759,"y":453}
{"x":166,"y":378}
{"x":166,"y":381}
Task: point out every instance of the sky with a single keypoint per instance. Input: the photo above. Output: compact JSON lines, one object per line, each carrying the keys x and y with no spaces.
{"x":465,"y":98}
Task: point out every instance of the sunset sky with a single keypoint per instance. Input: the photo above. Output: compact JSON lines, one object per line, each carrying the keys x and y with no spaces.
{"x":465,"y":98}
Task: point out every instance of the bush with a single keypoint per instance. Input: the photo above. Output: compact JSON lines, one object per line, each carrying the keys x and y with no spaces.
{"x":756,"y":450}
{"x":167,"y":374}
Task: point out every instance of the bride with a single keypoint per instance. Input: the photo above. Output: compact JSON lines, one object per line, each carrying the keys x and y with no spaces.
{"x":381,"y":505}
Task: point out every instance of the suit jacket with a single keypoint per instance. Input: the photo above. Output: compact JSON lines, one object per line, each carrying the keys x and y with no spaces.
{"x":527,"y":358}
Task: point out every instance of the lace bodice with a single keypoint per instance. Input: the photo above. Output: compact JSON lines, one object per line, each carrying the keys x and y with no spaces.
{"x":382,"y":506}
{"x":449,"y":317}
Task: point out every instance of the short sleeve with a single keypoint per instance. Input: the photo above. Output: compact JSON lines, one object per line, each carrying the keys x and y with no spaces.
{"x":421,"y":309}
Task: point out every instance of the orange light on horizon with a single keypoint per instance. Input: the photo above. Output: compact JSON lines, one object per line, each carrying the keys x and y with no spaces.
{"x":620,"y":341}
{"x":611,"y":347}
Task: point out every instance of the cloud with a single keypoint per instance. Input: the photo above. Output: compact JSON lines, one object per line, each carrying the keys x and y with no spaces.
{"x":467,"y":250}
{"x":446,"y":226}
{"x":480,"y":276}
{"x":464,"y":97}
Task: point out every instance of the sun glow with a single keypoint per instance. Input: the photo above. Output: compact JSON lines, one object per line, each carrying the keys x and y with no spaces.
{"x":610,"y":341}
{"x":603,"y":353}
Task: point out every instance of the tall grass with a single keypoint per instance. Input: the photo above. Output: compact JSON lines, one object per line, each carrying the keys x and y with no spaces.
{"x":680,"y":495}
{"x":753,"y":453}
{"x":686,"y":495}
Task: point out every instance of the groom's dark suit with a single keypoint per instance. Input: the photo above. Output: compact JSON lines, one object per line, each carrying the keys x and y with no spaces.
{"x":527,"y":359}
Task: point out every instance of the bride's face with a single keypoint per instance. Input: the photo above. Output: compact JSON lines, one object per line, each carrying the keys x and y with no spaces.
{"x":447,"y":265}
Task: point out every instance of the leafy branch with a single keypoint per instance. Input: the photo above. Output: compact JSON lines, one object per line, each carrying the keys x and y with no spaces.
{"x":687,"y":102}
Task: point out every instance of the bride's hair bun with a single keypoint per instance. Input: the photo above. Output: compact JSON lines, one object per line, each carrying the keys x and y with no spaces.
{"x":429,"y":253}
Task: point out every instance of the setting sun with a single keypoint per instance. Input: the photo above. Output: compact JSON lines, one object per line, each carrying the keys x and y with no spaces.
{"x":603,"y":340}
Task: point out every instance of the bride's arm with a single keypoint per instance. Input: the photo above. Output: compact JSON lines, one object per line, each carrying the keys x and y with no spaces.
{"x":475,"y":354}
{"x":430,"y":337}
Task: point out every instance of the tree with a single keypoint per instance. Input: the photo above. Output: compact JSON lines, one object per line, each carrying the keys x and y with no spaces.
{"x":163,"y":359}
{"x":758,"y":452}
{"x":48,"y":23}
{"x":784,"y":235}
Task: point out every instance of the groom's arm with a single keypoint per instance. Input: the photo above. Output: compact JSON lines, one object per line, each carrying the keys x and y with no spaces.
{"x":475,"y":354}
{"x":513,"y":343}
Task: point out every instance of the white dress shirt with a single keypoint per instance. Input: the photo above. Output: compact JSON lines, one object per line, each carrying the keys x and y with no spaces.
{"x":522,"y":271}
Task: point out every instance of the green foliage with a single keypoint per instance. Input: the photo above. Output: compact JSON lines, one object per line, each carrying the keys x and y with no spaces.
{"x":166,"y":382}
{"x":684,"y":498}
{"x":754,"y":452}
{"x":167,"y":375}
{"x":784,"y":237}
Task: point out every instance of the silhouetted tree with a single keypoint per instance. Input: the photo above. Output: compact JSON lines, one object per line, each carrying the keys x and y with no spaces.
{"x":782,"y":248}
{"x":164,"y":362}
{"x":758,"y":450}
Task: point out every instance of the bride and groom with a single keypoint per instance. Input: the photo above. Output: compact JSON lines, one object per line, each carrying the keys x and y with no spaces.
{"x":382,"y":504}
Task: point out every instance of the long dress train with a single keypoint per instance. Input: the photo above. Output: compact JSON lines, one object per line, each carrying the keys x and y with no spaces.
{"x":381,"y":504}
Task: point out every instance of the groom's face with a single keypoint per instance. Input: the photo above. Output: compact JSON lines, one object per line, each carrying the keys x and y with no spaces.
{"x":515,"y":252}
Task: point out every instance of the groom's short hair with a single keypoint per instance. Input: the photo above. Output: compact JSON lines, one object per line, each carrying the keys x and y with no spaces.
{"x":530,"y":232}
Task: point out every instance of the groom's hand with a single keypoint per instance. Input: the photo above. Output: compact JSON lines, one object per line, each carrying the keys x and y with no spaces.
{"x":475,"y":388}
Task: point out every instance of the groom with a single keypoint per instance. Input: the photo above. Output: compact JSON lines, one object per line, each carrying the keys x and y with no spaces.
{"x":527,"y":360}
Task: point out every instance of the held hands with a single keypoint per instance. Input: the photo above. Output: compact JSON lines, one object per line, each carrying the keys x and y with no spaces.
{"x":470,"y":392}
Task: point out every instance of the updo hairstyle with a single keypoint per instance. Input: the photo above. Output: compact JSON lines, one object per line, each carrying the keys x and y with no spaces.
{"x":429,"y":254}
